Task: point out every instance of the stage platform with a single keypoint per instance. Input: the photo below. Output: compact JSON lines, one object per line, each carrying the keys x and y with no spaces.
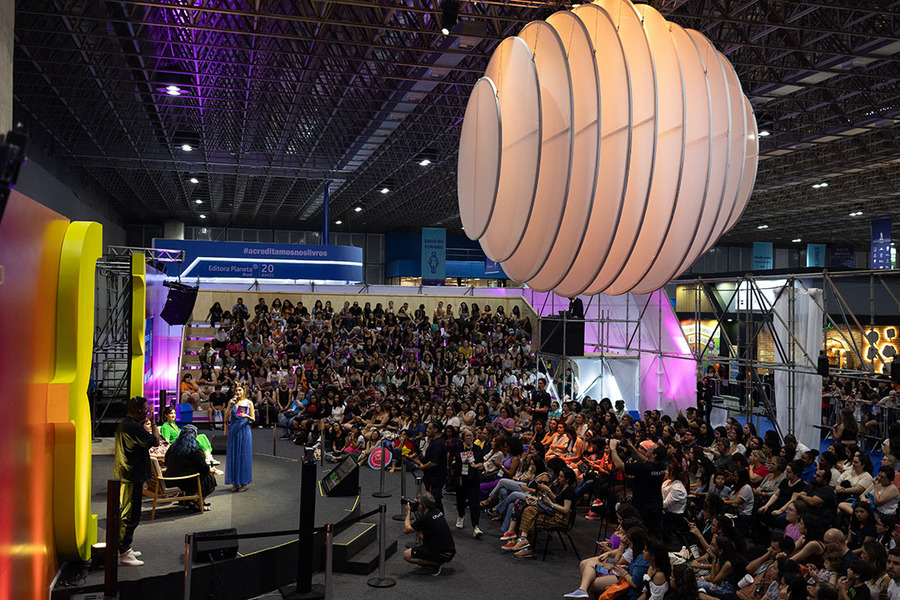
{"x":264,"y":564}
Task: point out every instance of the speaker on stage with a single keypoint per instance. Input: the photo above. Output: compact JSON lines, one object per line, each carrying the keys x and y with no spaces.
{"x":209,"y":550}
{"x":179,"y":304}
{"x":822,"y":366}
{"x":219,"y":443}
{"x":895,"y":369}
{"x":551,"y":334}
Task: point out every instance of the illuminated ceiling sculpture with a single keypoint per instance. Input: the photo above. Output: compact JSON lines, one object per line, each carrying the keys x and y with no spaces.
{"x":604,"y":150}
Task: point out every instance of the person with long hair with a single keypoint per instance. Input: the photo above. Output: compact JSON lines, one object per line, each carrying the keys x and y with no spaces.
{"x":185,"y":457}
{"x":847,"y":431}
{"x":876,"y":555}
{"x":682,"y":584}
{"x":656,"y":580}
{"x":726,"y":570}
{"x":240,"y":415}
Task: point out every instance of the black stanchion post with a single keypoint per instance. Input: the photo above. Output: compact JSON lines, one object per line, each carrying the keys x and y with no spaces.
{"x":188,"y":563}
{"x":401,"y":516}
{"x":381,"y":493}
{"x":329,"y":559}
{"x":382,"y":581}
{"x":304,"y":589}
{"x":111,"y":576}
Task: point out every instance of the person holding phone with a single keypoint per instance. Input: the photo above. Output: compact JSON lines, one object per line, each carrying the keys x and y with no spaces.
{"x":240,"y":415}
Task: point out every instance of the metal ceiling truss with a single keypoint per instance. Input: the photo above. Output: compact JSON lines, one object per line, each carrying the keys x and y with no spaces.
{"x":280,"y":96}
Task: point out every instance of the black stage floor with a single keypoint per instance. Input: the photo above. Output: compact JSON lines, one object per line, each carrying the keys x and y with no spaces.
{"x":272,"y":504}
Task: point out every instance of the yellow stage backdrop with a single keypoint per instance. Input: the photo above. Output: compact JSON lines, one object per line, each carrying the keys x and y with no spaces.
{"x":46,"y":331}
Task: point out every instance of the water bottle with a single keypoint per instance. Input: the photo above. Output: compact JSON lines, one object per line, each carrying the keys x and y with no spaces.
{"x":695,"y":551}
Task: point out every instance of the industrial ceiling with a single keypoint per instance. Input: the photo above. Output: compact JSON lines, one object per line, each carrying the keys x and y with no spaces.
{"x":277,"y":97}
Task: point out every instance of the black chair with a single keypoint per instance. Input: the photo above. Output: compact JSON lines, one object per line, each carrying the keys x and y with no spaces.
{"x":559,"y":530}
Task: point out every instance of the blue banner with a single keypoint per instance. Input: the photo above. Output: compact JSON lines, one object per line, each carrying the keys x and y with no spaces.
{"x":276,"y":263}
{"x":815,"y":255}
{"x":843,"y":256}
{"x":881,"y":244}
{"x":762,"y":256}
{"x":491,"y":267}
{"x":434,"y":256}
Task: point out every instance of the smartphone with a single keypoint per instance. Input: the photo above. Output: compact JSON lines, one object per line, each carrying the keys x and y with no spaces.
{"x":601,"y":570}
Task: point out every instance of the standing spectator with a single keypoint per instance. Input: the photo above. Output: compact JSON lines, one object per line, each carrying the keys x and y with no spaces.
{"x":649,"y":474}
{"x":434,"y":465}
{"x":470,"y":462}
{"x":132,"y":467}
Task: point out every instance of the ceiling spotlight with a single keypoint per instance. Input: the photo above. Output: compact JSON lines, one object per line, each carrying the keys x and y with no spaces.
{"x":338,"y":222}
{"x":383,"y":190}
{"x":796,"y":240}
{"x":856,"y":214}
{"x":762,"y":226}
{"x":424,"y":162}
{"x":187,"y":147}
{"x":819,"y":185}
{"x":357,"y":209}
{"x":449,"y":16}
{"x":173,"y":90}
{"x":194,"y":180}
{"x":202,"y":216}
{"x":764,"y":133}
{"x":198,"y":201}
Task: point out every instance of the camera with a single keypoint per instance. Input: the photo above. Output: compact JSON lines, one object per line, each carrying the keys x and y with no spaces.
{"x":412,"y":503}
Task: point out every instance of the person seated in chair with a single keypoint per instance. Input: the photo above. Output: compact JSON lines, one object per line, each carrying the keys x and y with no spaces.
{"x":185,"y":457}
{"x":436,"y":545}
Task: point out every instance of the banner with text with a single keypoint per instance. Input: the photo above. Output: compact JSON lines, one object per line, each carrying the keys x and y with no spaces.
{"x":843,"y":256}
{"x":275,"y":263}
{"x":815,"y":255}
{"x":491,"y":267}
{"x":762,"y":256}
{"x":434,"y":255}
{"x":881,"y":243}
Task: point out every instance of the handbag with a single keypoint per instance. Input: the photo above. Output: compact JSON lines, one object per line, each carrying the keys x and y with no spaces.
{"x":617,"y":590}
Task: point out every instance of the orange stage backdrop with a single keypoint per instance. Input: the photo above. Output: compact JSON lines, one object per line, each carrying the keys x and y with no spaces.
{"x":45,"y":472}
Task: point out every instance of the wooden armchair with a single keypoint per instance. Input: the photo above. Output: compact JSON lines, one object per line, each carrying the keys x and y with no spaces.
{"x":158,"y":488}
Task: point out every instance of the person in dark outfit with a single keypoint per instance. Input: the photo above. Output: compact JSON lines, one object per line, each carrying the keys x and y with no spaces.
{"x":542,"y":401}
{"x":649,"y":474}
{"x":436,"y":545}
{"x":469,"y":460}
{"x":184,"y":457}
{"x":434,"y":464}
{"x":132,"y":467}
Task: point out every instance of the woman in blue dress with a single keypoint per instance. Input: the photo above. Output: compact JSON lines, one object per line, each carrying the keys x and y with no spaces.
{"x":240,"y":416}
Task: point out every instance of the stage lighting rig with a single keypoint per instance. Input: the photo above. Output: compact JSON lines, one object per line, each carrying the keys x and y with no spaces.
{"x":449,"y":16}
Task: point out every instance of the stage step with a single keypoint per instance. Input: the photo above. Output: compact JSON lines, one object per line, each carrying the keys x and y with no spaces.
{"x":353,"y":539}
{"x":366,"y":561}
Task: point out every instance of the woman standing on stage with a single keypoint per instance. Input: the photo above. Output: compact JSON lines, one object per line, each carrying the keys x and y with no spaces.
{"x":239,"y":415}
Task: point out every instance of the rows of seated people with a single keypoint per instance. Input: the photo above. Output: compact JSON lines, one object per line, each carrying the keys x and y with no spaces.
{"x":701,"y":510}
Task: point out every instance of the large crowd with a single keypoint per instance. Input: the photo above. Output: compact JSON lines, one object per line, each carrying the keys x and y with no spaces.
{"x":697,"y":510}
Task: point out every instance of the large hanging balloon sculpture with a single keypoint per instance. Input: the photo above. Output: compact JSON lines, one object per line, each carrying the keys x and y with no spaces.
{"x":604,"y":150}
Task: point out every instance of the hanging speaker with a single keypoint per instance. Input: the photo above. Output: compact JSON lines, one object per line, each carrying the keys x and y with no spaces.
{"x":179,"y":304}
{"x":895,"y":370}
{"x":822,"y":366}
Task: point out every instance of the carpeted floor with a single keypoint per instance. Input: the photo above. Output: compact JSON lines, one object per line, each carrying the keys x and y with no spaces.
{"x":480,"y":567}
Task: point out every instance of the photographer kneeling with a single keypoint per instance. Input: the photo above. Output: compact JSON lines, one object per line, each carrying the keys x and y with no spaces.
{"x":436,"y":545}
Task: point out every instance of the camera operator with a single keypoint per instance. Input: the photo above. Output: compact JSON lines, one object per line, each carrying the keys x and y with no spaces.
{"x":648,"y":472}
{"x":436,"y":545}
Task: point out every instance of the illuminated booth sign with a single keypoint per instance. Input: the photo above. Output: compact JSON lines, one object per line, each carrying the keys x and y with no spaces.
{"x":275,"y":263}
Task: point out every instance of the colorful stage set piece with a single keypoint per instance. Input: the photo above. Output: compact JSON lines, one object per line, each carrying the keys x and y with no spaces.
{"x":47,"y":283}
{"x":604,"y":150}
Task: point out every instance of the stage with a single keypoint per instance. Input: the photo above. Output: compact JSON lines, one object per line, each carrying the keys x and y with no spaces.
{"x":264,"y":564}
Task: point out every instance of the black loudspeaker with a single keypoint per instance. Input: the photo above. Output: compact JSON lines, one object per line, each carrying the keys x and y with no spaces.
{"x":213,"y":549}
{"x":179,"y":304}
{"x":343,"y":480}
{"x":551,"y":332}
{"x":219,"y":443}
{"x":822,"y":366}
{"x":895,"y":370}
